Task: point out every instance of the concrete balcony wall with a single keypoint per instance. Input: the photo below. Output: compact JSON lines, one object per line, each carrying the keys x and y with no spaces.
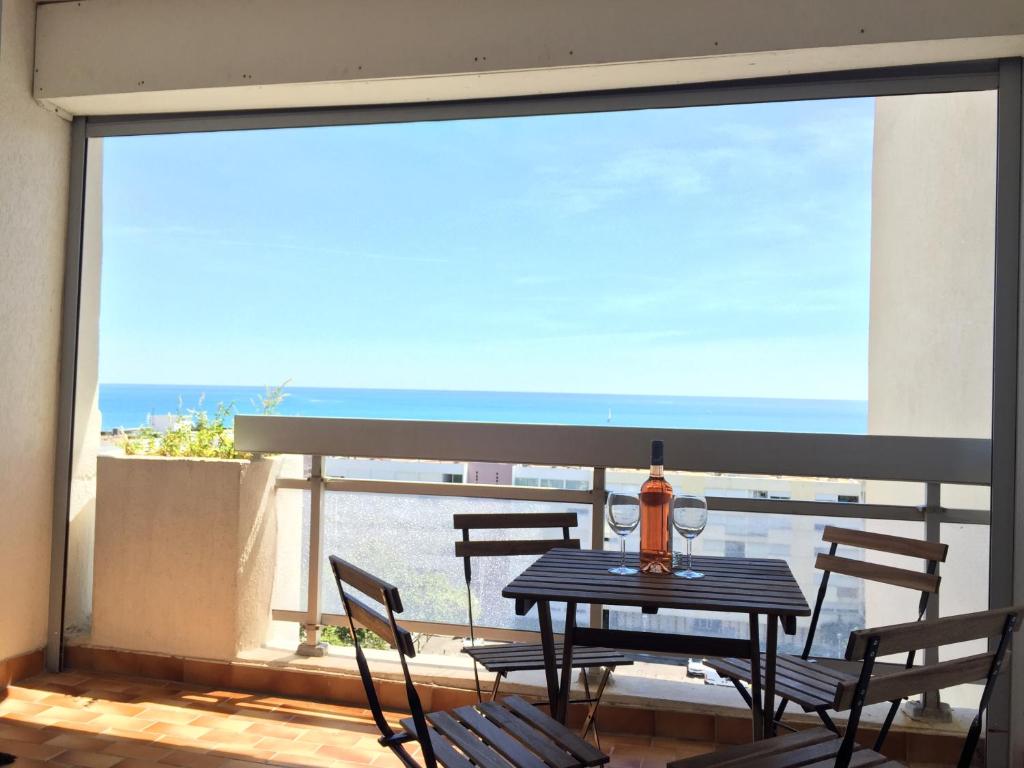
{"x":184,"y":555}
{"x":930,"y":347}
{"x":34,"y":147}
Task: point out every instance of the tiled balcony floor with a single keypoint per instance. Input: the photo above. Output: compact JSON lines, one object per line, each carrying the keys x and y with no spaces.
{"x":74,"y":719}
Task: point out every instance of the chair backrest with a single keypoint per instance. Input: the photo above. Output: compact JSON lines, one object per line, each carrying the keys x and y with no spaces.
{"x":351,"y":578}
{"x":926,"y":582}
{"x":931,"y":552}
{"x":468,"y":549}
{"x":868,"y":644}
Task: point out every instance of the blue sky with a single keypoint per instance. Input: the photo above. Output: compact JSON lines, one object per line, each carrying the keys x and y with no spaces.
{"x":704,"y":251}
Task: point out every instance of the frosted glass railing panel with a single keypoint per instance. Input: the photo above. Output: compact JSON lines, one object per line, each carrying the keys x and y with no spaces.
{"x":410,"y":541}
{"x":291,"y":576}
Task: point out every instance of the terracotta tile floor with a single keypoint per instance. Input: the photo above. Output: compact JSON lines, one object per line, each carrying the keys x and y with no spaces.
{"x":104,"y":721}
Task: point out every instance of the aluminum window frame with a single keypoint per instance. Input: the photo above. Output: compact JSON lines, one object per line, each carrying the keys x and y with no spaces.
{"x":1003,"y":76}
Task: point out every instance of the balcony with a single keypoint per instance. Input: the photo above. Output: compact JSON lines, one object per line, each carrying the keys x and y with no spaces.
{"x":102,"y":721}
{"x":264,"y":545}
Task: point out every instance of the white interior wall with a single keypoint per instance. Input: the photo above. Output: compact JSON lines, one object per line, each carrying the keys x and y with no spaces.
{"x":34,"y":147}
{"x":134,"y":56}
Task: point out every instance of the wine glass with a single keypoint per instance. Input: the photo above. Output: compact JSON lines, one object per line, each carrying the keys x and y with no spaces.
{"x":689,"y":516}
{"x":623,"y":515}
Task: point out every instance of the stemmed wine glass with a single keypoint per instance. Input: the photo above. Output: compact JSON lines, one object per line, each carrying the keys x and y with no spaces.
{"x":623,"y":515}
{"x":689,"y":516}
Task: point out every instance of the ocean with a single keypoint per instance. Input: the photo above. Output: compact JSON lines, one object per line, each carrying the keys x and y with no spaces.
{"x":129,"y":405}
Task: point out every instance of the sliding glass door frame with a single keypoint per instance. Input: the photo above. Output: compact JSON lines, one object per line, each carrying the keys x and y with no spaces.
{"x":1005,"y":731}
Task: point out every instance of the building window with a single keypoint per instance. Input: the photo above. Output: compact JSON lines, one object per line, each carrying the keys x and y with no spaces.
{"x":735,"y":549}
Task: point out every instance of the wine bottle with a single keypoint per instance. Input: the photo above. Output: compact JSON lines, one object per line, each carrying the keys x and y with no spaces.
{"x":656,"y":516}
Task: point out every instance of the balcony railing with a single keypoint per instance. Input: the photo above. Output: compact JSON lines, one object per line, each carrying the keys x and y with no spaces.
{"x":930,"y":462}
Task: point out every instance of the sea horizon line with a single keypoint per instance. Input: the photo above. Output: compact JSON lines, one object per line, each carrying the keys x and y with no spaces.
{"x":488,"y":392}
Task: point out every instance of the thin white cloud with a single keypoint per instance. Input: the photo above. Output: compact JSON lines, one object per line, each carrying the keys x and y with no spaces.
{"x":584,"y":190}
{"x":215,"y":238}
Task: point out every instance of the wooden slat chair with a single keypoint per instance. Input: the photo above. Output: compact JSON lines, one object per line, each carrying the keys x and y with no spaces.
{"x":811,"y":681}
{"x":503,"y":658}
{"x":507,"y":734}
{"x":822,"y":748}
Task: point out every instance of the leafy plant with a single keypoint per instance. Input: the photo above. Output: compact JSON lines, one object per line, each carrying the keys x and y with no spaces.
{"x":271,"y":399}
{"x":343,"y":637}
{"x":197,"y":435}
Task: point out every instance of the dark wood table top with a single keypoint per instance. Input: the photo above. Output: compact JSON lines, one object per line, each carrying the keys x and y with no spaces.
{"x":731,"y":584}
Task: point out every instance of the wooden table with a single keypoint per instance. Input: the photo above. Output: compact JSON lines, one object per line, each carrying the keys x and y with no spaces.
{"x":755,"y":587}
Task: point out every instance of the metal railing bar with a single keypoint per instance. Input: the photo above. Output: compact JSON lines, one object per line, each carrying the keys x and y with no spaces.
{"x":965,"y":516}
{"x":595,"y":499}
{"x":842,"y":509}
{"x":962,"y":461}
{"x":932,"y":510}
{"x":465,"y":490}
{"x":281,"y":614}
{"x":311,"y":645}
{"x":815,"y":508}
{"x":599,"y":495}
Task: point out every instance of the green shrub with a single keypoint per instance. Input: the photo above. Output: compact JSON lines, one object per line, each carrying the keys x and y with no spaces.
{"x":342,"y":636}
{"x":199,"y":435}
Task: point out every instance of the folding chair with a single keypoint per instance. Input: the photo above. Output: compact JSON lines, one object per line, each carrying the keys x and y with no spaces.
{"x":810,"y":681}
{"x":821,"y":747}
{"x":503,"y":658}
{"x":507,"y":734}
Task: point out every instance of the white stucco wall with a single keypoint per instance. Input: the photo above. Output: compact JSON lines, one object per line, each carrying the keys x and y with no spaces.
{"x":34,"y":148}
{"x":930,"y":351}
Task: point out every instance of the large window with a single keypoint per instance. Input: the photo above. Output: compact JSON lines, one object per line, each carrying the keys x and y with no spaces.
{"x":701,"y":267}
{"x":812,"y":267}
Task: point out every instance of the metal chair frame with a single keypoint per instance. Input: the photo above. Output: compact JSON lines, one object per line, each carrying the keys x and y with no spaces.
{"x":546,"y":732}
{"x":865,"y":679}
{"x":400,"y":639}
{"x":922,"y":608}
{"x":818,"y":746}
{"x":467,"y":549}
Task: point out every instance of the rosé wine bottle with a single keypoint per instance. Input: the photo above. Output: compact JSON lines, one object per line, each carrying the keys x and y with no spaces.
{"x":656,"y":516}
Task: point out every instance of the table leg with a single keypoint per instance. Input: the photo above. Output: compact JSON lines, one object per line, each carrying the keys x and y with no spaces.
{"x":547,"y":642}
{"x":566,"y":683}
{"x":770,"y":656}
{"x":755,"y":679}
